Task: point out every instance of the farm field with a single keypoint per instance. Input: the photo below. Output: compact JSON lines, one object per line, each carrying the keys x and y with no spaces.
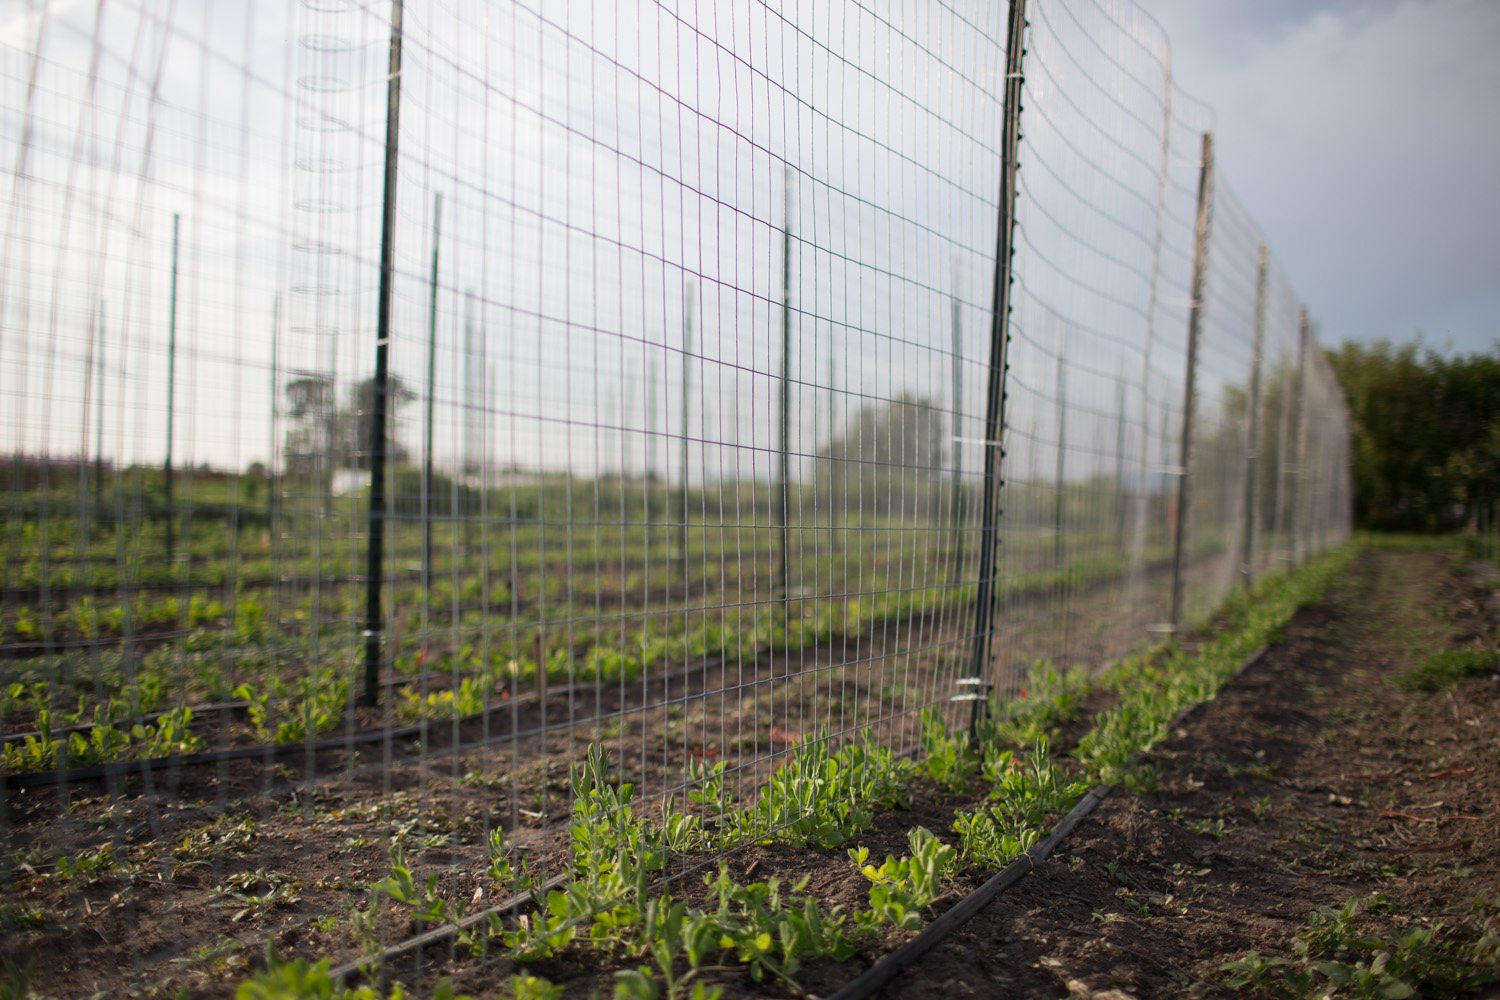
{"x":647,"y":501}
{"x":209,"y":865}
{"x":251,"y":638}
{"x":1338,"y":802}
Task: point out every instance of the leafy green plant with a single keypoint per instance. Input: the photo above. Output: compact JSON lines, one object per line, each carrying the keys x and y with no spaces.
{"x":468,"y":699}
{"x":503,"y":866}
{"x":949,"y":758}
{"x":532,"y":988}
{"x":16,"y":917}
{"x":299,"y":979}
{"x":1047,"y":698}
{"x":257,"y":891}
{"x":294,"y":713}
{"x":822,"y":798}
{"x":91,"y":867}
{"x":425,"y":903}
{"x":771,"y":935}
{"x":1445,"y":669}
{"x":903,"y":887}
{"x":1339,"y":952}
{"x":102,"y":743}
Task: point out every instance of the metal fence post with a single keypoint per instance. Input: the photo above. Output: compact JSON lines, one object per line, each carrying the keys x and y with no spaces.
{"x":374,"y":557}
{"x":783,"y":484}
{"x":687,"y":382}
{"x":432,"y":296}
{"x":956,"y":500}
{"x":833,"y":493}
{"x":272,"y":484}
{"x":1189,"y":394}
{"x":171,"y":390}
{"x":994,"y":410}
{"x":99,"y":414}
{"x":1252,"y":444}
{"x":1121,"y":503}
{"x":1060,"y":458}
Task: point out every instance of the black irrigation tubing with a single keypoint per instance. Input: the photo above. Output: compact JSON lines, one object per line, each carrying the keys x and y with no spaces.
{"x":364,"y":966}
{"x":885,"y":968}
{"x":893,"y":964}
{"x":890,"y":966}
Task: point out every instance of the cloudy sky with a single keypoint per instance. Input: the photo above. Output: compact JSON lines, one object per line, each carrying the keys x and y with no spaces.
{"x":1364,"y":137}
{"x":598,"y":159}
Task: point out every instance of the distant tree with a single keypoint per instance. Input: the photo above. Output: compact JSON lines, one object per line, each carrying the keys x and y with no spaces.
{"x":322,"y":436}
{"x":1426,"y":433}
{"x":888,"y":457}
{"x":253,"y":480}
{"x":358,"y":417}
{"x":311,"y":418}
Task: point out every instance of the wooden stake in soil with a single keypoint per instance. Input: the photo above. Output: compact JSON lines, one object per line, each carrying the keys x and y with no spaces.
{"x":1252,"y":445}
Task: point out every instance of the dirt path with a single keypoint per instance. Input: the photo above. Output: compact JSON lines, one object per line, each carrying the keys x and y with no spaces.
{"x":1312,"y":779}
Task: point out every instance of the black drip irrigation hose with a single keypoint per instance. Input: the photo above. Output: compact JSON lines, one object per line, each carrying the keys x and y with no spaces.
{"x":367,"y":966}
{"x":904,"y":957}
{"x":885,"y":968}
{"x":892,"y":965}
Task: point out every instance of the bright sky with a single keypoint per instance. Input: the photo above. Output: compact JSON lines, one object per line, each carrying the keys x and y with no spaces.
{"x":1364,"y":137}
{"x":598,"y":160}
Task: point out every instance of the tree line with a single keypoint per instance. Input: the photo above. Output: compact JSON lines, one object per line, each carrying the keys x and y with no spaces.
{"x":1426,"y":434}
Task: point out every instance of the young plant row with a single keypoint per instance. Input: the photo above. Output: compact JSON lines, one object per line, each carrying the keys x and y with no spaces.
{"x":314,"y":700}
{"x":615,"y":908}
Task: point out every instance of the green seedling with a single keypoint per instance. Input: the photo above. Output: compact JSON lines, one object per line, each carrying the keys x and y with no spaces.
{"x":904,"y":887}
{"x":1446,"y":669}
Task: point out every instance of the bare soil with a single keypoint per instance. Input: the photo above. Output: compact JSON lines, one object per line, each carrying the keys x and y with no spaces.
{"x":1311,"y":779}
{"x":172,"y":914}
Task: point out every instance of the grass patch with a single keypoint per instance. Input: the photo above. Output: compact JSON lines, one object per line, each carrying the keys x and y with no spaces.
{"x":1392,"y":542}
{"x":1344,"y":952}
{"x":1445,"y":669}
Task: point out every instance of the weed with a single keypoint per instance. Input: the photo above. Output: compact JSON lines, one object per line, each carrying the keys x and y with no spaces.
{"x":1339,"y":952}
{"x":1445,"y":669}
{"x":16,"y":984}
{"x":258,"y":891}
{"x":91,"y":867}
{"x":299,"y":979}
{"x":532,"y":988}
{"x":16,"y":917}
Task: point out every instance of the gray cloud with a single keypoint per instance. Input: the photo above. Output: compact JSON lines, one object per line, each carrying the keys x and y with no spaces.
{"x":1363,"y":138}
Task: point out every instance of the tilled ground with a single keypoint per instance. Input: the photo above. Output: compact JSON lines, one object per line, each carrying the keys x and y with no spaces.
{"x":1311,"y":779}
{"x":209,"y":864}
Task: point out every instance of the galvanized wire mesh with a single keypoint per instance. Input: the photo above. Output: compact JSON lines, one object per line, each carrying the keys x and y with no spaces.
{"x":691,"y":320}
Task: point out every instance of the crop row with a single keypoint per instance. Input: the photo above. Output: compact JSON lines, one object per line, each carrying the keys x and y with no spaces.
{"x":295,"y":684}
{"x":615,"y":907}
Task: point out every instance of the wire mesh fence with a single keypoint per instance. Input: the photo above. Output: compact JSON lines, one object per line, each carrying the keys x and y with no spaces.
{"x":403,"y":398}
